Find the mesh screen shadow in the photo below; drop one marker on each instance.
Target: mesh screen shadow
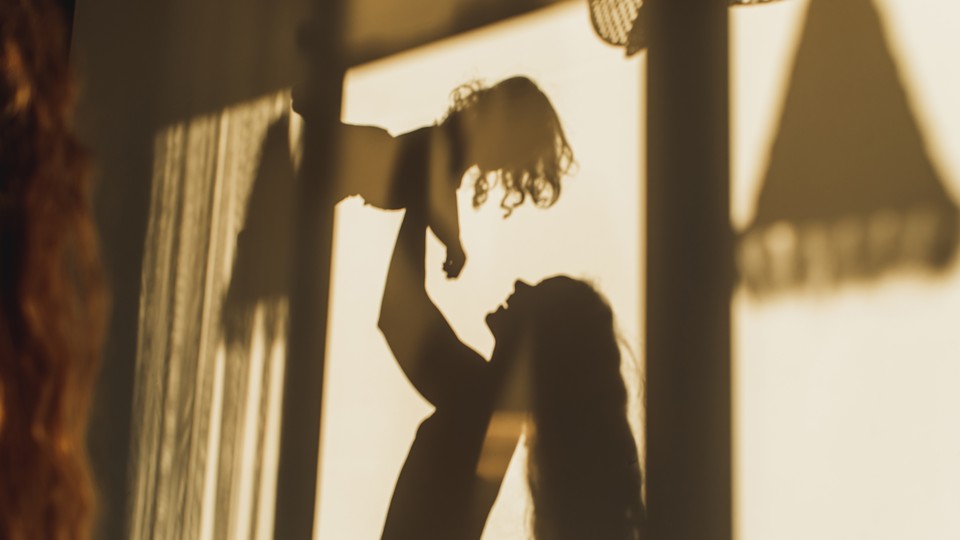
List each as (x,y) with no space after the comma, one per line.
(623,23)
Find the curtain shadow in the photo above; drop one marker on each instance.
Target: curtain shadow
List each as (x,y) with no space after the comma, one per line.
(261,267)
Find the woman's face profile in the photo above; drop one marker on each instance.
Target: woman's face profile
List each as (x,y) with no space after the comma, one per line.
(506,319)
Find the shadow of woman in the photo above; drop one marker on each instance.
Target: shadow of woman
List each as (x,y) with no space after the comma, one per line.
(555,369)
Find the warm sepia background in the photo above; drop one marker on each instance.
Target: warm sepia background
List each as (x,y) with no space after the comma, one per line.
(844,398)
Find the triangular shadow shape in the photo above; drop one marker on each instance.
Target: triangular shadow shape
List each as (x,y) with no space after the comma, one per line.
(850,191)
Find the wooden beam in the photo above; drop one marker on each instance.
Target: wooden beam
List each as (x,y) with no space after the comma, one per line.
(318,99)
(689,273)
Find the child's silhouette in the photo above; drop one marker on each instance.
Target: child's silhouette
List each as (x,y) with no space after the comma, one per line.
(508,133)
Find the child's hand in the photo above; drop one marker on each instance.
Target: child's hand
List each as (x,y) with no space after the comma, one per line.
(456,258)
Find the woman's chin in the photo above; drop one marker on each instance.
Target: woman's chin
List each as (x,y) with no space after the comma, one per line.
(494,319)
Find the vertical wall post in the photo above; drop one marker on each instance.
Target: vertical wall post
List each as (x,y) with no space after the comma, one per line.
(318,99)
(689,273)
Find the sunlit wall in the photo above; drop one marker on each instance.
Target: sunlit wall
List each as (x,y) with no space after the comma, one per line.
(844,396)
(210,361)
(370,411)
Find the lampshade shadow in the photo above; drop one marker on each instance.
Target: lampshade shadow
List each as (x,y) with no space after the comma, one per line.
(850,194)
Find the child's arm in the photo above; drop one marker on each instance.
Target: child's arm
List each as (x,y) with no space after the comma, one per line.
(444,216)
(445,223)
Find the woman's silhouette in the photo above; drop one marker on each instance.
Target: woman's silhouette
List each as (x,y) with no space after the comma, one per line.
(556,363)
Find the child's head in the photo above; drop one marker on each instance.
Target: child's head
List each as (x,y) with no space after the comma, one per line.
(511,132)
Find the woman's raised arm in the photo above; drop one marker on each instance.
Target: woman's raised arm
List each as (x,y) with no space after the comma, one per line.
(437,363)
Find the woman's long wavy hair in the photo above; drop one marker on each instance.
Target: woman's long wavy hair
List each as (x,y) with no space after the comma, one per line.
(50,284)
(533,164)
(583,467)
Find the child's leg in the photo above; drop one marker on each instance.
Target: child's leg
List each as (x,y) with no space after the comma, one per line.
(368,166)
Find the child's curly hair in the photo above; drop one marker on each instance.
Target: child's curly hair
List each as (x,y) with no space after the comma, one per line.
(535,163)
(51,298)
